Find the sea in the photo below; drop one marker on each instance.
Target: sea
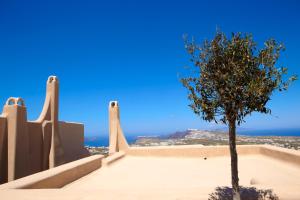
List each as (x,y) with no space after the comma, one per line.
(98,141)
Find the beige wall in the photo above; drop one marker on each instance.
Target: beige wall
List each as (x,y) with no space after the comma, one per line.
(35,146)
(17,140)
(59,176)
(287,155)
(191,150)
(72,139)
(28,147)
(3,150)
(117,140)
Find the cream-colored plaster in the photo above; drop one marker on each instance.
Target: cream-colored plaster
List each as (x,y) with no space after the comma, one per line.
(28,147)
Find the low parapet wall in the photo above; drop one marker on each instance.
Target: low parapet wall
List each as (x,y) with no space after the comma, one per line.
(287,155)
(59,176)
(191,150)
(113,158)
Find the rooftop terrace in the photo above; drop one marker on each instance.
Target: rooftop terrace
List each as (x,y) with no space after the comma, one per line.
(178,172)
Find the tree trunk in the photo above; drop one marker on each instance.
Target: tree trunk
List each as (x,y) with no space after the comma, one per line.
(234,161)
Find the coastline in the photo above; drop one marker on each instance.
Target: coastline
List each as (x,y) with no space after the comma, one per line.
(288,139)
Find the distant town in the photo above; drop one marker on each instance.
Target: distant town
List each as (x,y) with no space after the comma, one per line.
(206,138)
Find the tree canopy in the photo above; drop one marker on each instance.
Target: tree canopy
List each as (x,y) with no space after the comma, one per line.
(233,77)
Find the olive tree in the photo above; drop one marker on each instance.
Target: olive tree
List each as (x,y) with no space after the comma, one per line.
(232,78)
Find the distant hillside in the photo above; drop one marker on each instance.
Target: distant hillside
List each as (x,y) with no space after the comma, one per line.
(205,137)
(178,134)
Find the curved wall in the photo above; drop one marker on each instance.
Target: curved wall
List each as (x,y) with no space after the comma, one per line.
(28,147)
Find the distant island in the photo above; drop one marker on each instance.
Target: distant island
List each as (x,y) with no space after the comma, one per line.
(200,137)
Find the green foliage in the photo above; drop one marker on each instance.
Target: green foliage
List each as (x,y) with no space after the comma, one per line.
(233,78)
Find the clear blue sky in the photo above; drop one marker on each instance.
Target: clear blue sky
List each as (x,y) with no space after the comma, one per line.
(132,52)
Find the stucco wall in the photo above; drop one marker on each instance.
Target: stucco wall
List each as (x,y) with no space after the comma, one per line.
(287,155)
(35,146)
(28,147)
(3,150)
(191,150)
(57,177)
(72,138)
